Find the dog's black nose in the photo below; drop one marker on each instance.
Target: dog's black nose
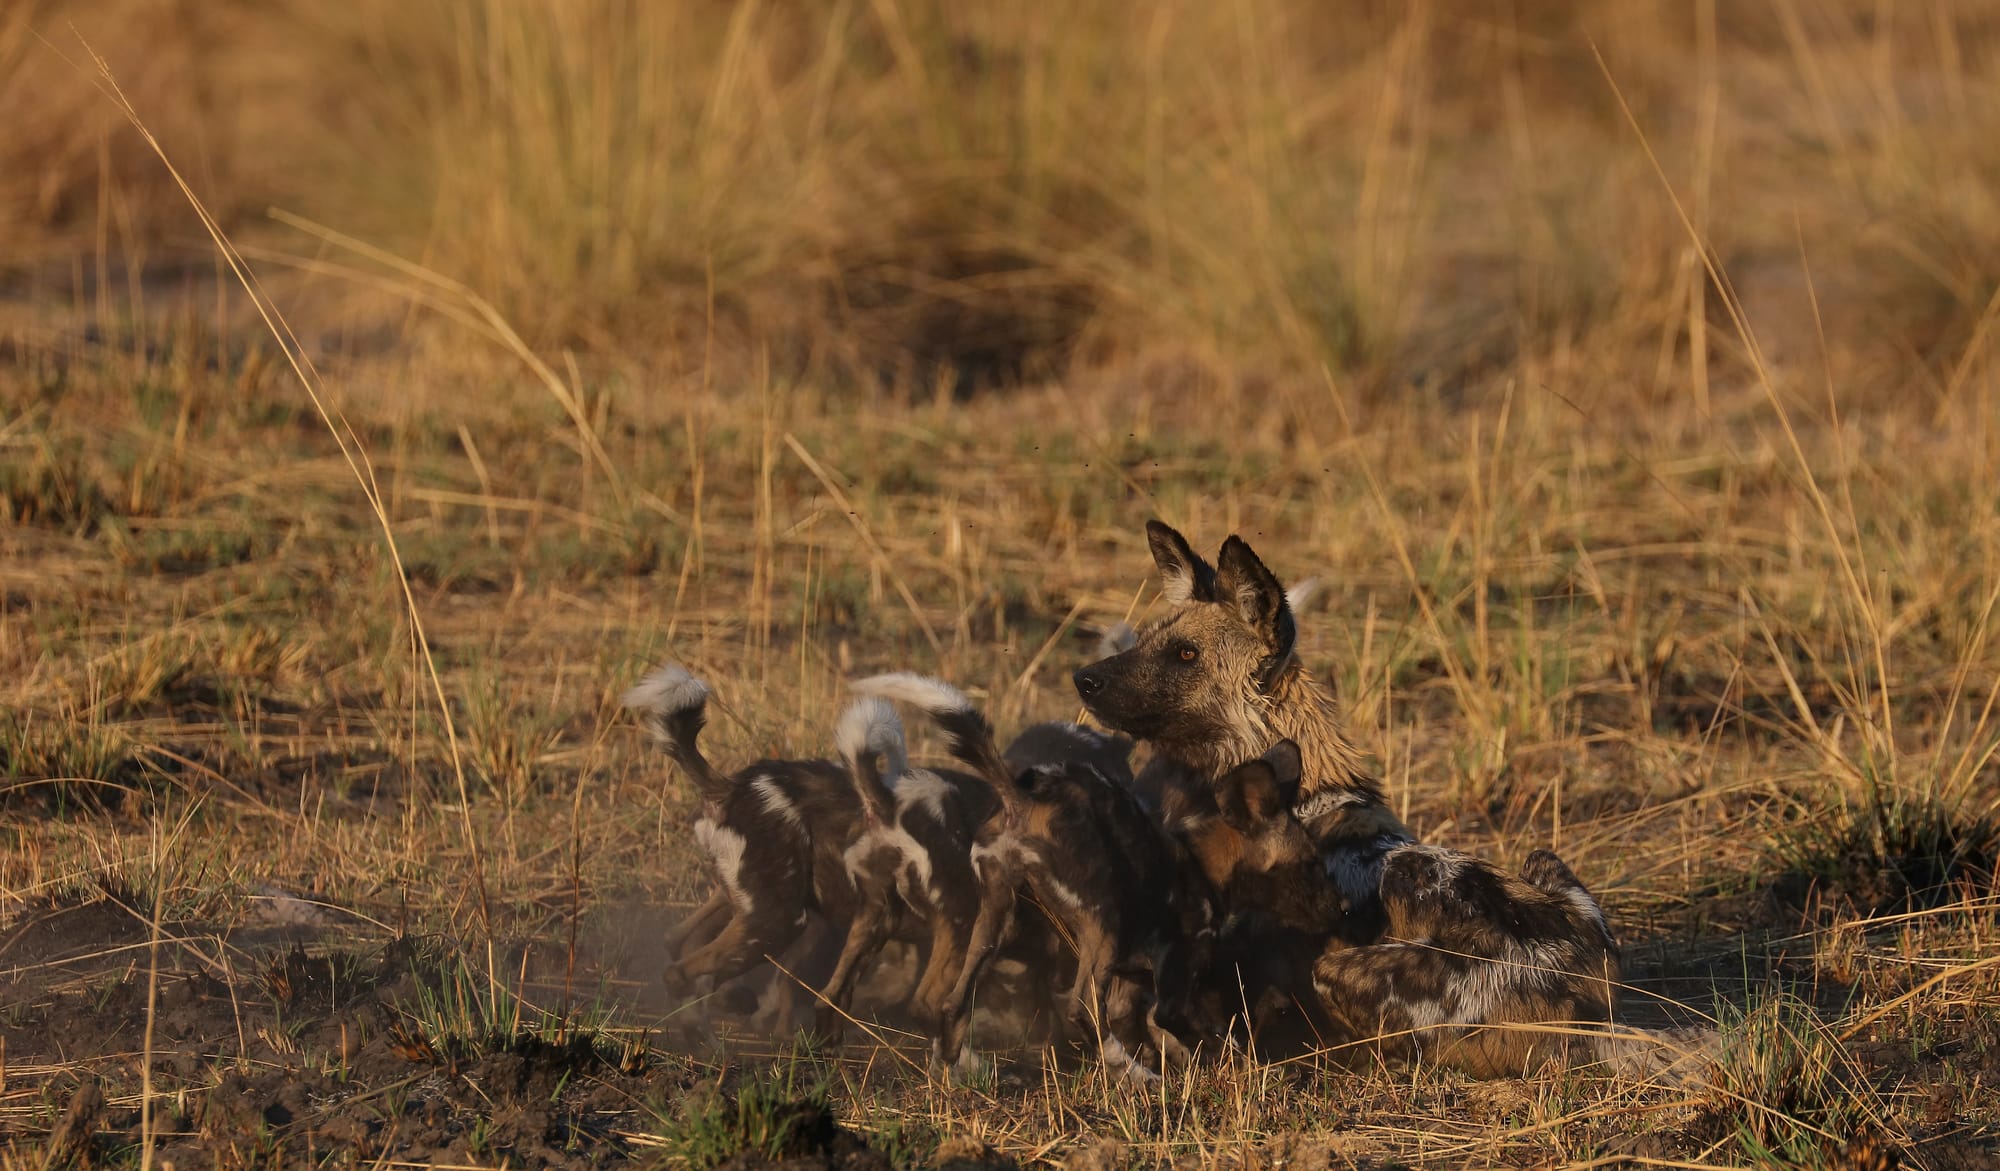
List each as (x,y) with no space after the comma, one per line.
(1088,682)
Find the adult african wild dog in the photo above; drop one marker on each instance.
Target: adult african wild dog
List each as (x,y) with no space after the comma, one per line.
(1476,957)
(1216,681)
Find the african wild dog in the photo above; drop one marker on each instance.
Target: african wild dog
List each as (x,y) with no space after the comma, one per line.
(1278,908)
(1130,901)
(1216,681)
(776,833)
(912,858)
(1475,961)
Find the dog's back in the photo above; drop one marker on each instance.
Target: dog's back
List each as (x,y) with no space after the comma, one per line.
(1483,971)
(1061,742)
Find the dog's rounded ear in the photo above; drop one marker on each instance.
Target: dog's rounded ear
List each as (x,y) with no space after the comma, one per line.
(1287,768)
(1248,795)
(1184,576)
(1259,599)
(1243,581)
(1544,869)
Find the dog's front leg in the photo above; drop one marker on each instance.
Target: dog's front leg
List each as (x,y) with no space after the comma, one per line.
(699,925)
(1094,946)
(741,945)
(996,907)
(865,934)
(950,943)
(1127,1031)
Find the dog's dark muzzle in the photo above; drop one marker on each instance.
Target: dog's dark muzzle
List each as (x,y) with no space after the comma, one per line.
(1111,697)
(1090,682)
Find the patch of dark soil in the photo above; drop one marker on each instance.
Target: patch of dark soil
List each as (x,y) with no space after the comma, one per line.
(299,1051)
(84,934)
(527,1101)
(815,1142)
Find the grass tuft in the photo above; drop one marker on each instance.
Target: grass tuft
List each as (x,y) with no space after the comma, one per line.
(1902,852)
(1786,1091)
(771,1112)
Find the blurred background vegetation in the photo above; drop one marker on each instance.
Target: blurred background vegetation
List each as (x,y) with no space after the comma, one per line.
(934,196)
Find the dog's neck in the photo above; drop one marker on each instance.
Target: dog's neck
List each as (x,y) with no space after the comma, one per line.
(1296,708)
(1304,712)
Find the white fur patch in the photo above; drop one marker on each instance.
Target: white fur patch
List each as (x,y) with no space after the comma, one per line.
(870,725)
(921,786)
(1067,896)
(776,802)
(1324,802)
(915,876)
(864,849)
(1119,1060)
(913,863)
(932,695)
(1581,900)
(724,847)
(1116,640)
(967,1065)
(1007,851)
(666,691)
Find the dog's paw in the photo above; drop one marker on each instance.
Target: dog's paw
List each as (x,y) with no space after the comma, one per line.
(828,1025)
(1125,1068)
(967,1068)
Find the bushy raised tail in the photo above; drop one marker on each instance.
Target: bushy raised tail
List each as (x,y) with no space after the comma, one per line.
(964,726)
(870,739)
(673,706)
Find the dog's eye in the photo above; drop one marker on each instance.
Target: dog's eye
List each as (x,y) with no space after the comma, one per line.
(1189,654)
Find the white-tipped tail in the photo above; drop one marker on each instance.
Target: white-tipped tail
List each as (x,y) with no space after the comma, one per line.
(666,692)
(871,727)
(934,696)
(674,705)
(964,726)
(1301,594)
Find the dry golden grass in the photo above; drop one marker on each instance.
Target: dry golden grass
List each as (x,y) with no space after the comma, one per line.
(1625,370)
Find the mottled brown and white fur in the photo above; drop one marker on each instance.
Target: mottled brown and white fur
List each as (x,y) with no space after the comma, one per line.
(775,835)
(1480,971)
(1080,845)
(911,864)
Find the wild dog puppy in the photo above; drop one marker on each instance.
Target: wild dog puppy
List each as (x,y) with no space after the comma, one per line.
(776,835)
(912,859)
(1474,960)
(1061,742)
(1139,915)
(1216,681)
(1278,908)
